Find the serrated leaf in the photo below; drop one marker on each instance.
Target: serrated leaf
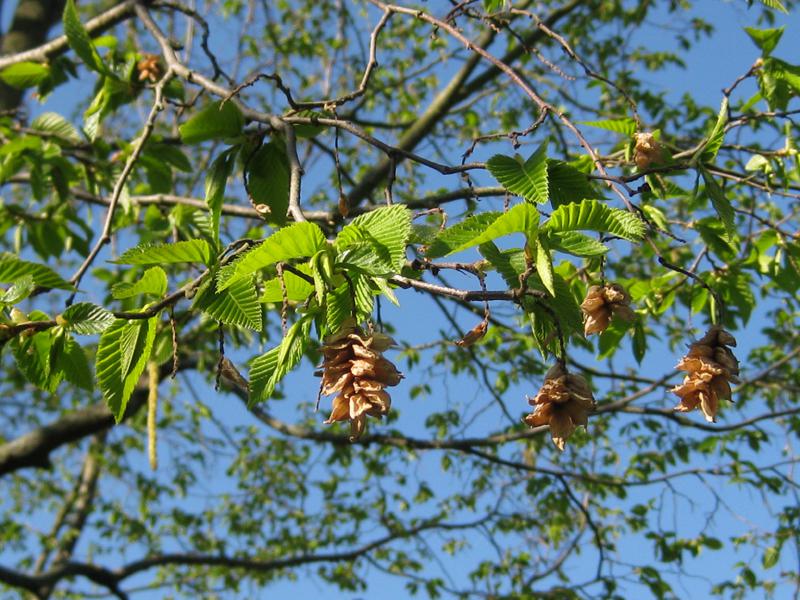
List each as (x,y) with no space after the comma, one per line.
(297,288)
(567,184)
(13,268)
(626,126)
(368,256)
(188,251)
(338,307)
(85,318)
(78,39)
(216,180)
(522,218)
(765,39)
(152,282)
(19,290)
(461,234)
(298,240)
(268,369)
(56,125)
(709,150)
(544,267)
(575,243)
(268,180)
(72,362)
(775,5)
(771,556)
(388,226)
(236,305)
(721,204)
(117,379)
(528,180)
(216,121)
(25,74)
(592,215)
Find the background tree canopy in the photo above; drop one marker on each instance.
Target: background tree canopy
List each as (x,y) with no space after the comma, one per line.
(214,213)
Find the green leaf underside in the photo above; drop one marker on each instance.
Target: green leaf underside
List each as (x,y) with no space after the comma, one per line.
(188,251)
(717,135)
(298,240)
(720,203)
(389,226)
(216,180)
(236,305)
(544,267)
(765,39)
(522,218)
(339,303)
(55,124)
(121,357)
(79,39)
(593,215)
(576,243)
(460,234)
(33,360)
(13,268)
(216,121)
(528,180)
(369,256)
(72,361)
(567,184)
(86,318)
(269,368)
(18,291)
(25,74)
(626,126)
(268,180)
(152,282)
(297,288)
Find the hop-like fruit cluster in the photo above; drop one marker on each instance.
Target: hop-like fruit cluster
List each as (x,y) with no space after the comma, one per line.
(149,68)
(564,402)
(647,151)
(354,369)
(603,302)
(711,367)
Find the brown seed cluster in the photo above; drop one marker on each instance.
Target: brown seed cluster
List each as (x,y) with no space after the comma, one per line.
(149,68)
(602,303)
(711,367)
(647,150)
(355,370)
(564,402)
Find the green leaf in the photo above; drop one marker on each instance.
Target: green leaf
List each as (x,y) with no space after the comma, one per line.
(765,39)
(626,126)
(85,318)
(297,288)
(778,82)
(152,282)
(567,184)
(236,305)
(268,180)
(188,251)
(522,218)
(388,226)
(33,360)
(575,243)
(461,234)
(216,121)
(775,5)
(25,74)
(528,179)
(544,267)
(268,369)
(298,240)
(56,125)
(19,290)
(13,268)
(708,151)
(593,215)
(721,204)
(78,39)
(368,256)
(117,377)
(771,556)
(216,180)
(72,362)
